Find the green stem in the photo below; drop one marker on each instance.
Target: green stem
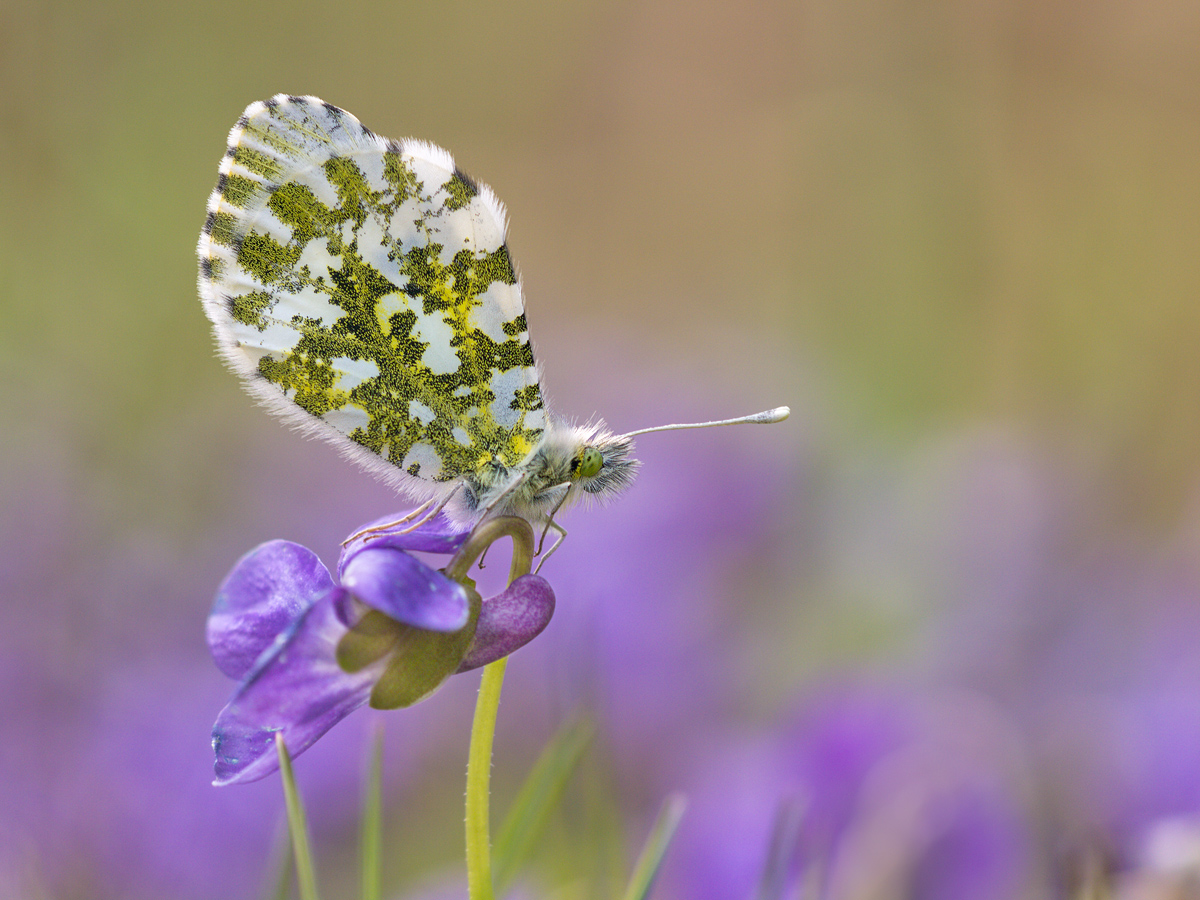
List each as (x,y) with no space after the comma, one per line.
(479,776)
(483,536)
(483,727)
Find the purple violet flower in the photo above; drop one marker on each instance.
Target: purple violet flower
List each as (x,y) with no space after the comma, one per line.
(893,794)
(309,650)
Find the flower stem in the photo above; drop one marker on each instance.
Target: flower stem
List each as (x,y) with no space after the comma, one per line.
(483,727)
(484,535)
(479,776)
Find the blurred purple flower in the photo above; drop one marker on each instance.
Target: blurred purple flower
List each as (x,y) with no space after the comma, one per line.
(309,650)
(895,796)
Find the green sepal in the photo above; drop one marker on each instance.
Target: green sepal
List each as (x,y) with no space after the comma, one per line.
(370,640)
(421,660)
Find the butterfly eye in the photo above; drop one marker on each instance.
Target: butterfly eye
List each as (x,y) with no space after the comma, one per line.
(588,463)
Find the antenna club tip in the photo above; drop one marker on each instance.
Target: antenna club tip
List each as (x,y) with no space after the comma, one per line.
(778,414)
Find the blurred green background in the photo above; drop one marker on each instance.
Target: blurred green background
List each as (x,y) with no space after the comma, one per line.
(920,225)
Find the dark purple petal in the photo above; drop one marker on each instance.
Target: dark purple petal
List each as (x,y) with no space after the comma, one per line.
(978,847)
(510,620)
(438,535)
(407,590)
(297,689)
(267,590)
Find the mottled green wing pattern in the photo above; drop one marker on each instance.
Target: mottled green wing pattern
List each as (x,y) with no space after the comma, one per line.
(363,289)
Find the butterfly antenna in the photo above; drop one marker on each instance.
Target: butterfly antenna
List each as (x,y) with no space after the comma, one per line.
(766,417)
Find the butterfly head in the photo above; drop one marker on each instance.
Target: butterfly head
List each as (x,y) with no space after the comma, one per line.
(592,462)
(572,462)
(602,464)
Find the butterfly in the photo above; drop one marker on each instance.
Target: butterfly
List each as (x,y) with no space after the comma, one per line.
(363,290)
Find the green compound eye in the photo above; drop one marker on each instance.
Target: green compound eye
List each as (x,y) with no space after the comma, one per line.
(588,463)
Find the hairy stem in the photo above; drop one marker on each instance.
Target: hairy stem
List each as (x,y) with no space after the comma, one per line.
(483,727)
(479,776)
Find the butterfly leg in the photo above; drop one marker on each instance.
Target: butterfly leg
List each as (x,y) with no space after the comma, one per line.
(422,513)
(496,501)
(388,526)
(550,521)
(432,512)
(562,534)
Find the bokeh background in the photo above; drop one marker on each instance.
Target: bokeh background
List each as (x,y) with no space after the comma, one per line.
(941,628)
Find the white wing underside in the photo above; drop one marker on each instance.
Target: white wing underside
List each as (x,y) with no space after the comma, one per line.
(289,141)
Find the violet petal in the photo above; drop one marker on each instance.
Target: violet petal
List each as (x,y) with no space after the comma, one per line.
(407,590)
(510,620)
(266,591)
(296,689)
(438,535)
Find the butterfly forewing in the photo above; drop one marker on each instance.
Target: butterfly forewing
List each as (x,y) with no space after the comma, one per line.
(363,289)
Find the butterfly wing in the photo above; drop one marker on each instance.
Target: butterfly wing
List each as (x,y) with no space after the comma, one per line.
(363,290)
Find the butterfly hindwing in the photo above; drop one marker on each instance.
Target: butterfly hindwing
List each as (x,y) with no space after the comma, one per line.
(363,289)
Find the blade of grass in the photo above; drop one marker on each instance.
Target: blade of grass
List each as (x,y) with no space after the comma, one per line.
(281,866)
(539,795)
(371,832)
(655,849)
(306,878)
(784,839)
